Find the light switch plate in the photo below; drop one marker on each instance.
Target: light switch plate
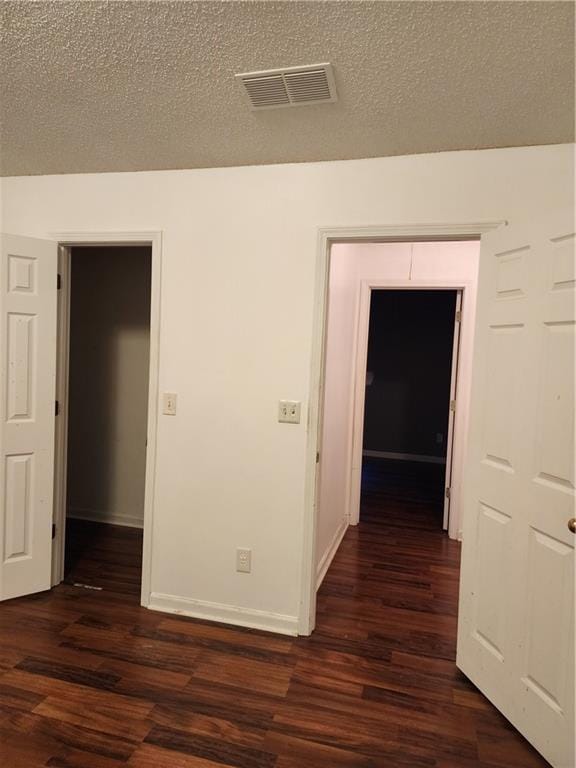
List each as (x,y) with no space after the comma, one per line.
(169,404)
(289,411)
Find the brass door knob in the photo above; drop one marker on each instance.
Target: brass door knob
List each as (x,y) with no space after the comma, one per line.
(572,524)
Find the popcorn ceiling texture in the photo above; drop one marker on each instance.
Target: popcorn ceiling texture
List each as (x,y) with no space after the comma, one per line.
(125,86)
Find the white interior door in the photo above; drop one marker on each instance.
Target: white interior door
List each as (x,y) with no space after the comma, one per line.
(452,409)
(516,623)
(28,274)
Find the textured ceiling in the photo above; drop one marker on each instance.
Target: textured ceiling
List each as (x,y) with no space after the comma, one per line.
(114,86)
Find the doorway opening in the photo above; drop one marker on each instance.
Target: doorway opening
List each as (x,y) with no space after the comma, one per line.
(103,386)
(414,286)
(409,407)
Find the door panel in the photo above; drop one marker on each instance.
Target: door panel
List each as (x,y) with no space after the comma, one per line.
(28,340)
(17,525)
(516,624)
(490,609)
(555,437)
(544,672)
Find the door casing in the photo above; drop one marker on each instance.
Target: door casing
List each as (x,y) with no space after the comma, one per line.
(66,241)
(326,238)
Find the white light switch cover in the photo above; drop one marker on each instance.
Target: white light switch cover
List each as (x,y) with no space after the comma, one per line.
(289,411)
(169,404)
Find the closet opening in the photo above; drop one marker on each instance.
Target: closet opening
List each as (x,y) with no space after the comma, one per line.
(103,383)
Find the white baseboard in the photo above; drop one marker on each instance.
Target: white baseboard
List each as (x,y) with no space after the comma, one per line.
(96,516)
(405,456)
(226,614)
(328,556)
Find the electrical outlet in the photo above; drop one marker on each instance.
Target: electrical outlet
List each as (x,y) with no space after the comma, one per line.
(289,411)
(169,404)
(439,438)
(243,560)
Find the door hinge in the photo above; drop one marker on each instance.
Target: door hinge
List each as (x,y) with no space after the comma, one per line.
(317,457)
(459,316)
(447,493)
(452,405)
(57,408)
(53,530)
(58,281)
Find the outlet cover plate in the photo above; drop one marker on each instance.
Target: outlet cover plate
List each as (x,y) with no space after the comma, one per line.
(244,560)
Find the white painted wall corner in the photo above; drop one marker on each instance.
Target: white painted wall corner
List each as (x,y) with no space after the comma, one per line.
(328,556)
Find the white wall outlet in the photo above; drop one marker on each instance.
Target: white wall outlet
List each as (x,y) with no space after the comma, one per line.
(244,560)
(289,411)
(169,404)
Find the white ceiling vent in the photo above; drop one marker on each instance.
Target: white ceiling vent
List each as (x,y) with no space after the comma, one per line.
(289,87)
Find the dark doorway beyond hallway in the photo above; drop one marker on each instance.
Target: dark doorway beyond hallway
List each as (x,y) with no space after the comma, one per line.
(409,368)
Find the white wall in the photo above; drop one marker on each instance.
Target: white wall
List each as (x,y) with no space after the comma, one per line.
(238,292)
(108,394)
(350,265)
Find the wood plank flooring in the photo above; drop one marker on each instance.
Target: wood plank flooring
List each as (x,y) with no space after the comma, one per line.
(88,679)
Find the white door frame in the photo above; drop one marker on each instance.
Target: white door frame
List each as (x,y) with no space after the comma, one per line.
(360,357)
(66,241)
(456,371)
(326,238)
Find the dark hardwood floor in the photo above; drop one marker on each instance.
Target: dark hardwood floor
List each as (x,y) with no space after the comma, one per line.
(107,557)
(88,679)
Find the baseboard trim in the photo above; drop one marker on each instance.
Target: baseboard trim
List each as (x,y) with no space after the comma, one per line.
(225,614)
(328,556)
(405,456)
(95,516)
